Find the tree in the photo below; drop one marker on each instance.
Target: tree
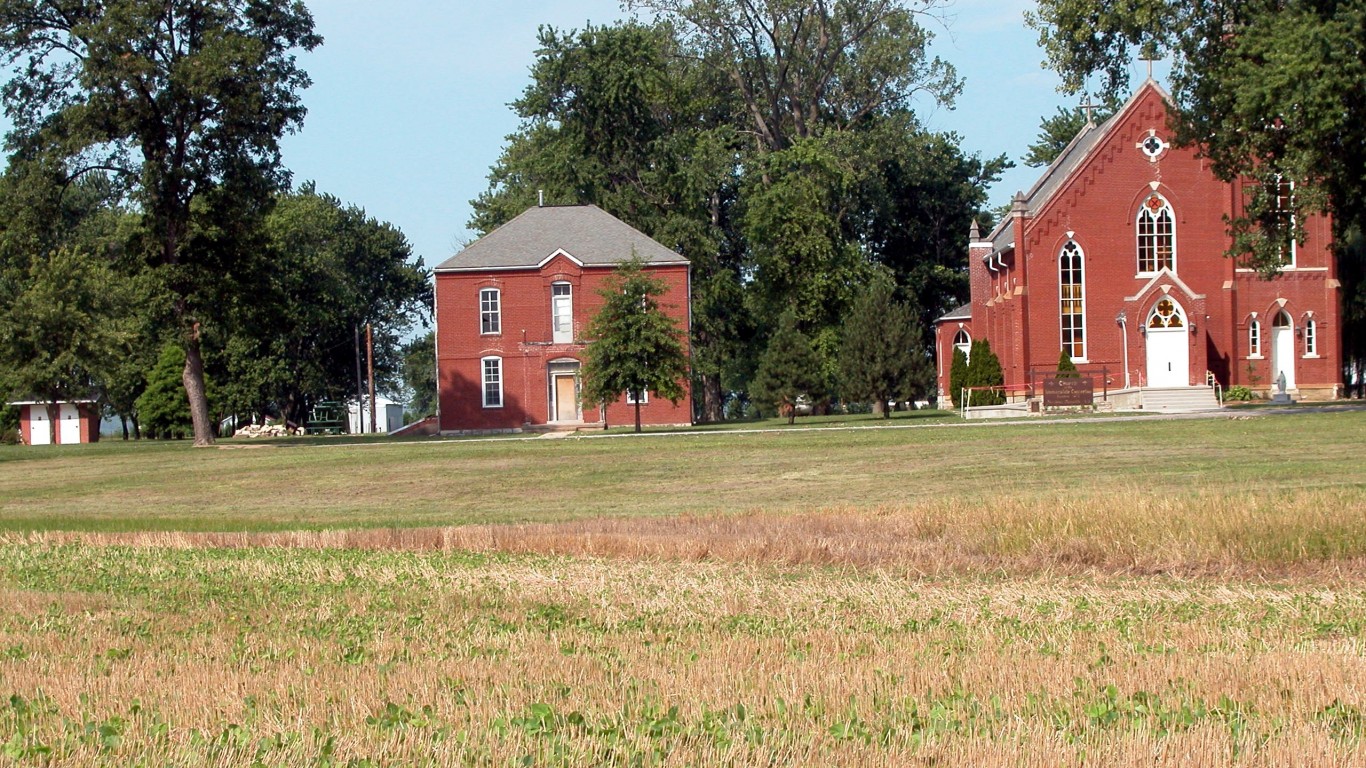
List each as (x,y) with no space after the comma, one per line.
(882,357)
(1269,91)
(803,68)
(163,406)
(958,375)
(1066,368)
(419,375)
(60,330)
(186,102)
(330,268)
(788,370)
(984,370)
(635,347)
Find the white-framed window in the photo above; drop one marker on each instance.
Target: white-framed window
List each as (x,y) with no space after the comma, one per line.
(962,341)
(1311,344)
(562,312)
(1156,227)
(493,381)
(1283,206)
(631,397)
(1254,338)
(490,311)
(1072,301)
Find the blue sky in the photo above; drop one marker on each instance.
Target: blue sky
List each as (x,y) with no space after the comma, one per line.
(409,103)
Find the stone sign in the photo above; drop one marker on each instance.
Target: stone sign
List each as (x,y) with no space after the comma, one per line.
(1061,391)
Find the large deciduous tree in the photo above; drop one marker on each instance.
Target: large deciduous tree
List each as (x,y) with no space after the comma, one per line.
(634,347)
(186,100)
(1268,89)
(803,68)
(329,269)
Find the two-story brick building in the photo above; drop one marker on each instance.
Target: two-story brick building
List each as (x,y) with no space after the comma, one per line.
(1117,255)
(511,311)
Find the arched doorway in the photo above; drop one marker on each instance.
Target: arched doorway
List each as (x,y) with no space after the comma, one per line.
(1167,348)
(1282,350)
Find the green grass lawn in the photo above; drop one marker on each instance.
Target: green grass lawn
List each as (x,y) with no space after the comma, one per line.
(334,483)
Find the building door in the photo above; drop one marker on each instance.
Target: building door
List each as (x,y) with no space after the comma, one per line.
(1167,346)
(39,428)
(69,433)
(1282,351)
(566,400)
(564,390)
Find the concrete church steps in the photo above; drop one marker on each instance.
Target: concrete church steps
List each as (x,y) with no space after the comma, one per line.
(1179,399)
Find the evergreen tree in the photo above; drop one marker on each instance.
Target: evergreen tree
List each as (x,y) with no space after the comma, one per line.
(163,408)
(958,375)
(635,346)
(788,369)
(984,370)
(882,357)
(1066,368)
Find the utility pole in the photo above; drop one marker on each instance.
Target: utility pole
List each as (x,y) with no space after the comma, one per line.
(370,367)
(360,388)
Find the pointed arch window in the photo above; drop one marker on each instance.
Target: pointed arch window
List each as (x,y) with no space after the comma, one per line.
(1156,235)
(1254,338)
(1072,300)
(963,342)
(1311,344)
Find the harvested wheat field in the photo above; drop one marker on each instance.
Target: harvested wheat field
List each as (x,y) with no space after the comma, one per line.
(1039,621)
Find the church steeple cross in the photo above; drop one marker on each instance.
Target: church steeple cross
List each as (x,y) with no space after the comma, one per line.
(1090,109)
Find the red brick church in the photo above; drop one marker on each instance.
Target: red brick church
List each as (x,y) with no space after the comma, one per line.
(1116,255)
(511,312)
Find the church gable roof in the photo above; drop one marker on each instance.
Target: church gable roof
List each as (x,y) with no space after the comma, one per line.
(586,234)
(1082,147)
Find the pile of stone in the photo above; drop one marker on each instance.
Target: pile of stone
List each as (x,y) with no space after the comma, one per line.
(266,430)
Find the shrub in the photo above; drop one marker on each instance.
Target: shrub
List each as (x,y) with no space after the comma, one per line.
(1239,392)
(1066,368)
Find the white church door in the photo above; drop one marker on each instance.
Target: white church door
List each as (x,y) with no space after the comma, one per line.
(69,432)
(40,429)
(1282,351)
(1168,352)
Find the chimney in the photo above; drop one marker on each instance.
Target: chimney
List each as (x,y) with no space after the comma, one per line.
(540,198)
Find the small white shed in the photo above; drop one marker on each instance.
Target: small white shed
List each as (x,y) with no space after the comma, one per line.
(388,416)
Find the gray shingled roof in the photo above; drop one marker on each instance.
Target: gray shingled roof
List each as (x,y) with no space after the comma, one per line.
(962,313)
(586,232)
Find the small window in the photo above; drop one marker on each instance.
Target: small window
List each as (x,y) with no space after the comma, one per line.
(1254,338)
(1311,346)
(631,397)
(493,382)
(490,311)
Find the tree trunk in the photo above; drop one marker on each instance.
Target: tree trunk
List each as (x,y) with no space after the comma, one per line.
(193,378)
(637,411)
(123,422)
(54,416)
(880,408)
(713,401)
